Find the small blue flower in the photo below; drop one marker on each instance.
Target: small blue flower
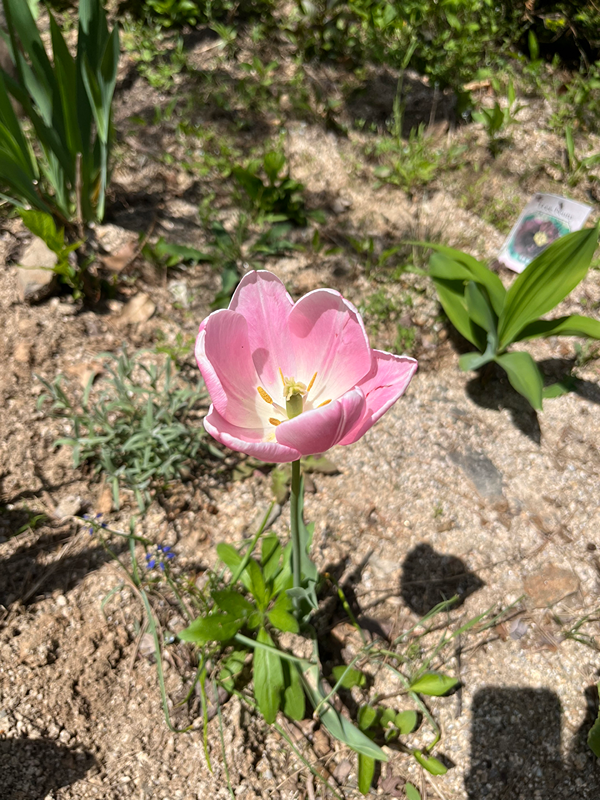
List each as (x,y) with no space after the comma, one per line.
(91,531)
(98,515)
(162,566)
(152,563)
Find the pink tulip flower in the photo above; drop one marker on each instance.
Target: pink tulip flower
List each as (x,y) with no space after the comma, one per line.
(288,379)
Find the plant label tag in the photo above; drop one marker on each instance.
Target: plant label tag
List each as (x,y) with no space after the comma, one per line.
(545,218)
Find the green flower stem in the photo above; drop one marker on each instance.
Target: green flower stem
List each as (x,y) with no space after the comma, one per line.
(295,526)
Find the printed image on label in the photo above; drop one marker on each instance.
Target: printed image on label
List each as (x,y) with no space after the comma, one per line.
(543,220)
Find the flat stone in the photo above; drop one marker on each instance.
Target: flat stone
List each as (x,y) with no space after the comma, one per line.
(35,279)
(550,585)
(69,506)
(139,309)
(113,238)
(480,471)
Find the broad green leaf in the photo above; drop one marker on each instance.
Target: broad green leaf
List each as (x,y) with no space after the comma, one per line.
(412,793)
(479,308)
(216,627)
(430,763)
(524,376)
(229,556)
(406,721)
(560,388)
(366,771)
(457,265)
(257,584)
(280,617)
(593,738)
(366,717)
(549,278)
(270,556)
(575,325)
(294,704)
(350,677)
(273,164)
(268,678)
(321,465)
(471,361)
(451,297)
(434,684)
(43,226)
(233,603)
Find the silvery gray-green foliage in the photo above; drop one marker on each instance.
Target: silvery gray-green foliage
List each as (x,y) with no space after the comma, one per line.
(141,432)
(493,318)
(60,163)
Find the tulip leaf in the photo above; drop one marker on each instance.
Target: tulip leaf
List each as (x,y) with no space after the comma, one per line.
(431,764)
(451,264)
(524,376)
(268,678)
(434,684)
(472,361)
(574,325)
(479,308)
(366,772)
(451,297)
(216,627)
(547,280)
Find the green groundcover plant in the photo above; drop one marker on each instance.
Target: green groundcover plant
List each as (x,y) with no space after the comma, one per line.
(493,318)
(58,159)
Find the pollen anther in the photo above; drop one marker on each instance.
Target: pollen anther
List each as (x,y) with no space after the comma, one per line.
(267,398)
(274,421)
(324,403)
(311,384)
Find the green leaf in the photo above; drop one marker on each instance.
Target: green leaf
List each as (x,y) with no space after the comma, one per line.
(549,278)
(593,738)
(281,618)
(574,325)
(270,557)
(412,793)
(456,265)
(273,164)
(337,725)
(479,308)
(233,603)
(43,226)
(280,484)
(229,556)
(451,296)
(216,627)
(257,585)
(524,376)
(406,721)
(350,677)
(366,717)
(560,388)
(433,684)
(472,361)
(366,772)
(294,704)
(430,763)
(231,667)
(268,678)
(321,465)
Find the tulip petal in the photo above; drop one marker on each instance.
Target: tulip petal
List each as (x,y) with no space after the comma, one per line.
(387,381)
(262,299)
(316,431)
(247,440)
(223,355)
(329,338)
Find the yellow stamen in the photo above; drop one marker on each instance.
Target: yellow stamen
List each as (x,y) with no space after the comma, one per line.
(264,395)
(282,378)
(274,421)
(311,384)
(324,403)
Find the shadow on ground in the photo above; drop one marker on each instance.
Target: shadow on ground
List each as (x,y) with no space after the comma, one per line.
(516,750)
(31,769)
(428,578)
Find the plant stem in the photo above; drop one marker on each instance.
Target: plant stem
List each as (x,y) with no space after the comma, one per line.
(295,525)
